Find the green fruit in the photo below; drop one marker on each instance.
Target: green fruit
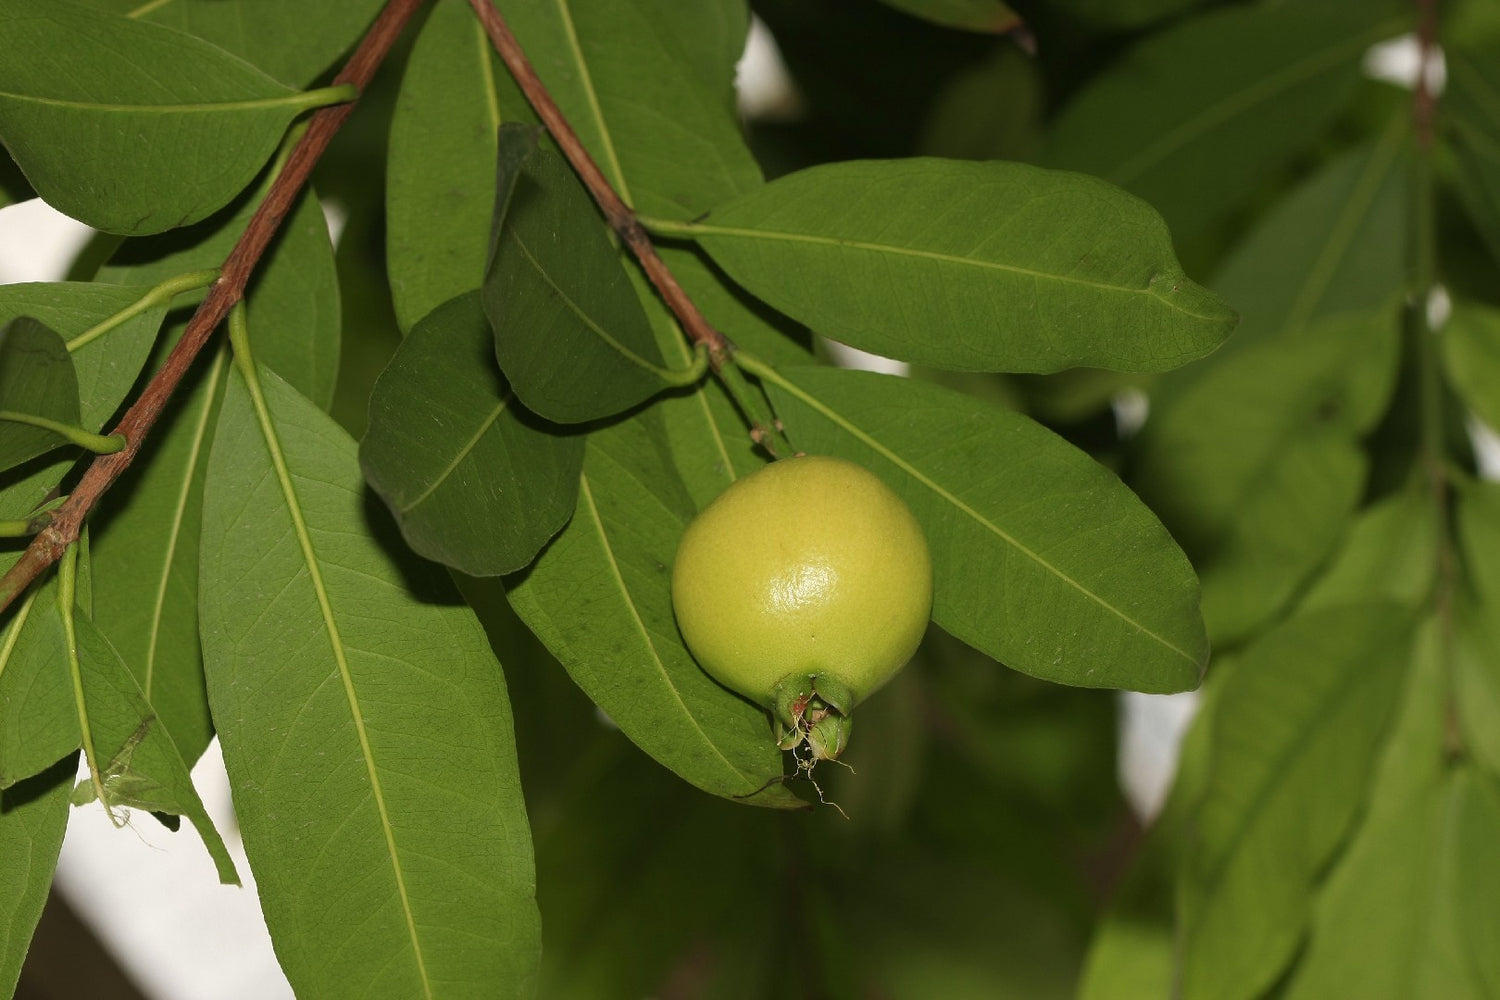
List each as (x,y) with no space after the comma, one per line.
(804,587)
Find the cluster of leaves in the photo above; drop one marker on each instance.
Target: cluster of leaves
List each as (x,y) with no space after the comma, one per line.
(337,611)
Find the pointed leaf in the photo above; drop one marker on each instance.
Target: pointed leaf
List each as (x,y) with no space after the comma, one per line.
(36,380)
(149,129)
(33,815)
(107,338)
(1389,552)
(140,764)
(973,266)
(1294,739)
(364,722)
(600,598)
(441,167)
(1194,116)
(1041,557)
(473,480)
(145,559)
(570,333)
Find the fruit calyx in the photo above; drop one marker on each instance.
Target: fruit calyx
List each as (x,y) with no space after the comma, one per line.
(813,710)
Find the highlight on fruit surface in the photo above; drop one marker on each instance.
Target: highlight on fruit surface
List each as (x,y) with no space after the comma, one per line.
(804,587)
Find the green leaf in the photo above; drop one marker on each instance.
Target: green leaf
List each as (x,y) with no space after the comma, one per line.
(148,129)
(288,39)
(1041,557)
(1194,116)
(1392,922)
(1295,733)
(1335,244)
(1477,862)
(38,721)
(1120,14)
(971,266)
(1262,515)
(107,337)
(1476,641)
(36,381)
(570,333)
(144,768)
(294,309)
(364,722)
(647,84)
(1471,356)
(610,571)
(473,480)
(1471,109)
(441,165)
(33,815)
(1389,552)
(970,15)
(145,558)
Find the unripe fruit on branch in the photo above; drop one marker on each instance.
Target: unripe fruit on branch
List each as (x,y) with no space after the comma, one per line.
(804,587)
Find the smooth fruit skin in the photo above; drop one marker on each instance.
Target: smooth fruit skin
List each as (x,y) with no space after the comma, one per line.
(811,566)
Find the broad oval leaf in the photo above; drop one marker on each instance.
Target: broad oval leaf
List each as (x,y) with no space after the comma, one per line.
(570,334)
(37,380)
(38,723)
(972,266)
(108,332)
(33,816)
(1041,557)
(150,128)
(1295,732)
(364,722)
(600,598)
(1471,354)
(474,480)
(1194,116)
(441,165)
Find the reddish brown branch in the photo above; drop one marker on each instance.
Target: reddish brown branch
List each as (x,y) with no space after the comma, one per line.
(48,546)
(619,215)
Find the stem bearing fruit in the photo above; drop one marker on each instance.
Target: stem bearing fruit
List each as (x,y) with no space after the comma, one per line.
(804,587)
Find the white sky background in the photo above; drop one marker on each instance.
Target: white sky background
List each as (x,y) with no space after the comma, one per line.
(154,898)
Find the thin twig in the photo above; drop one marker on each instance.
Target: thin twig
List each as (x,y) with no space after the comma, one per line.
(49,545)
(620,216)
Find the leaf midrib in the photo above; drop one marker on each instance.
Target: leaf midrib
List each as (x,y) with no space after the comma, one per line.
(586,494)
(781,236)
(325,607)
(292,98)
(984,522)
(469,446)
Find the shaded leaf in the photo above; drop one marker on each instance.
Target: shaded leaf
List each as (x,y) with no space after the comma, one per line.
(1191,118)
(1123,13)
(1262,515)
(441,165)
(1388,552)
(570,333)
(473,480)
(145,557)
(1390,923)
(333,655)
(36,380)
(1041,557)
(107,358)
(150,129)
(33,815)
(293,303)
(38,719)
(1294,739)
(600,598)
(972,266)
(971,15)
(1476,642)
